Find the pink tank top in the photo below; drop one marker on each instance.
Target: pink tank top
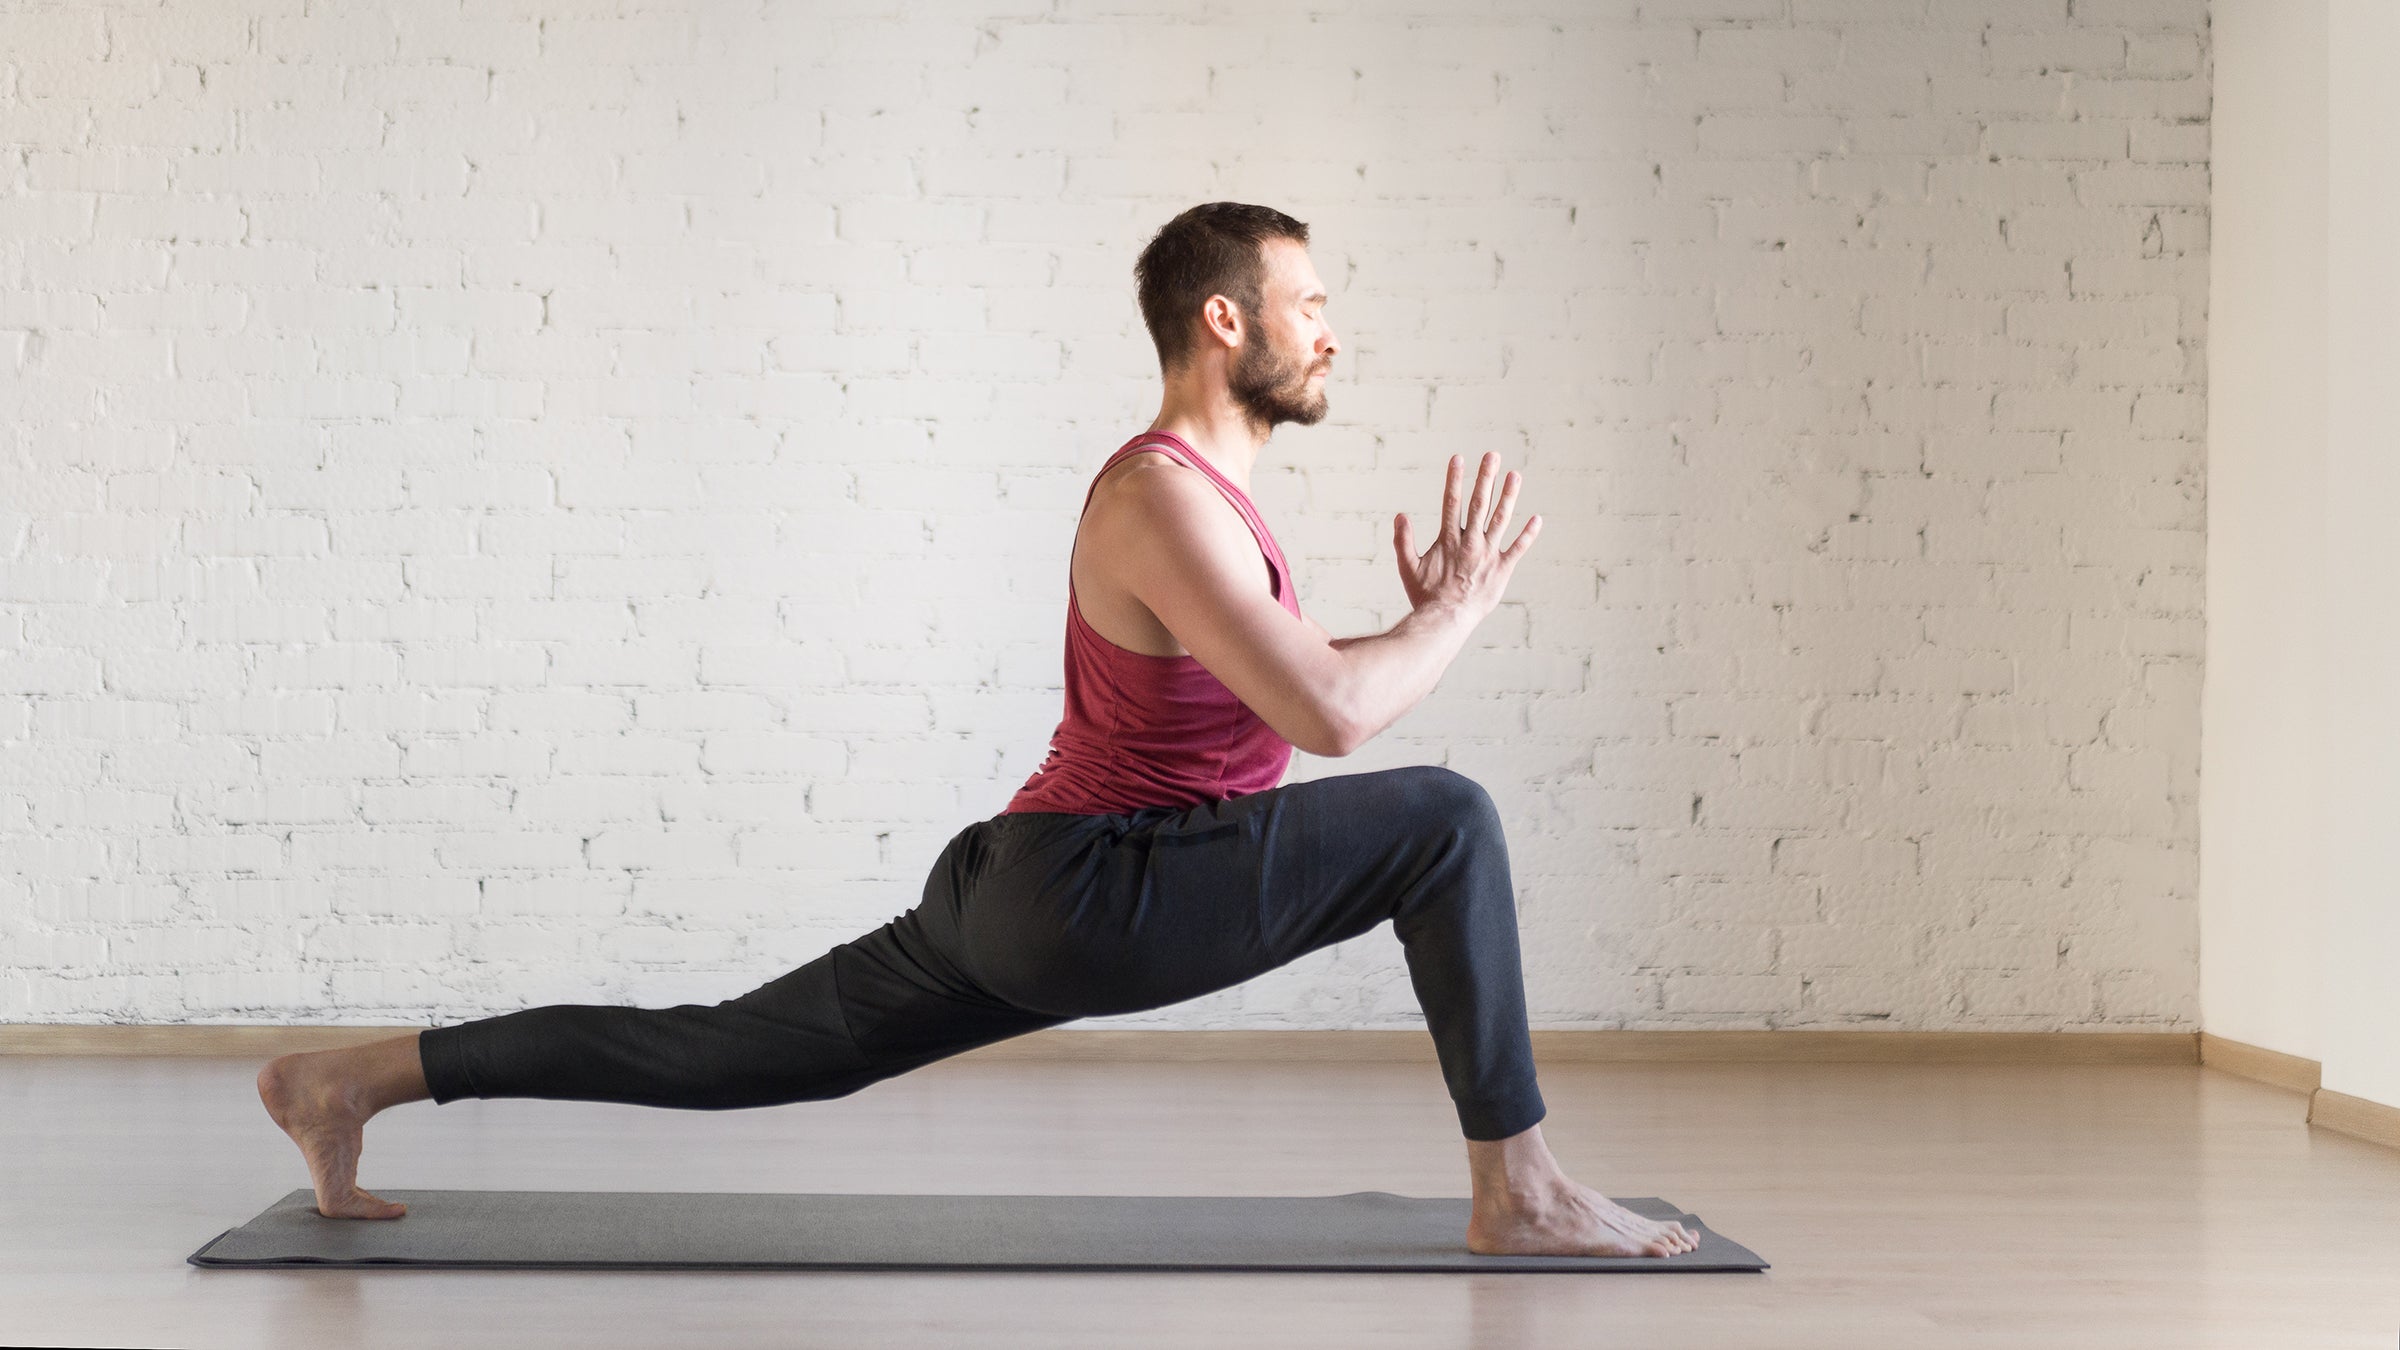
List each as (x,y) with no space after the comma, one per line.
(1144,730)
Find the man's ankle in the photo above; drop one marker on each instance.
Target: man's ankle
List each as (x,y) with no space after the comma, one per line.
(1521,1197)
(1517,1178)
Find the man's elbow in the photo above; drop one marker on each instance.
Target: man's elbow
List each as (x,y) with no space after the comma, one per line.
(1336,737)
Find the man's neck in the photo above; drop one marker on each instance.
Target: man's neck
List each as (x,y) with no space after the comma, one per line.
(1222,437)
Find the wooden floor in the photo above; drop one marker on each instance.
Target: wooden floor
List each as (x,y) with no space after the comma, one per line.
(1983,1206)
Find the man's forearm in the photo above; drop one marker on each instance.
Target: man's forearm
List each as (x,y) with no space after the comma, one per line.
(1391,672)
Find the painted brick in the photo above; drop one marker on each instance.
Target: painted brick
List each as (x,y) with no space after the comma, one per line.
(499,474)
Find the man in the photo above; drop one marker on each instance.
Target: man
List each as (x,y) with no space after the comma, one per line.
(1152,858)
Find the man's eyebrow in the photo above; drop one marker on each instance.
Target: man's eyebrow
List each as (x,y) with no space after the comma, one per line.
(1312,295)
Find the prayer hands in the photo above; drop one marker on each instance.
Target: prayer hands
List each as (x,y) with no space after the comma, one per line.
(1466,568)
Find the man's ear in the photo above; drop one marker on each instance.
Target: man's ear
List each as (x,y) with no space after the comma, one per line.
(1222,318)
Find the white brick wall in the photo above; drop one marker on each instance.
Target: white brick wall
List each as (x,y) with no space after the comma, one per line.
(571,501)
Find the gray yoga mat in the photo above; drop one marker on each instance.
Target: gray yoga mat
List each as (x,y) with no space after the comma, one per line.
(655,1230)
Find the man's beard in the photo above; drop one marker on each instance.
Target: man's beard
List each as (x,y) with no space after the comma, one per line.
(1271,392)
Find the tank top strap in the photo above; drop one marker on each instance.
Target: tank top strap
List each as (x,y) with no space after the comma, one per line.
(1170,446)
(1177,449)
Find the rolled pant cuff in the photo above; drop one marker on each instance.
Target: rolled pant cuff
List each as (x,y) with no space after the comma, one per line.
(444,1062)
(1503,1118)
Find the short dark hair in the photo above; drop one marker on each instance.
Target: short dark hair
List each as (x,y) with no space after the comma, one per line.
(1215,249)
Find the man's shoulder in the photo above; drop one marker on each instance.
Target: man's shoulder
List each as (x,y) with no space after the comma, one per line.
(1143,467)
(1150,490)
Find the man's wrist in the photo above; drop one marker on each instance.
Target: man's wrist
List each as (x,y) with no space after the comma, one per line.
(1443,614)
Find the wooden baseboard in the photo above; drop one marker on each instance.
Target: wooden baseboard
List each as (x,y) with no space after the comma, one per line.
(23,1038)
(1575,1046)
(2336,1111)
(2272,1067)
(2355,1116)
(1602,1046)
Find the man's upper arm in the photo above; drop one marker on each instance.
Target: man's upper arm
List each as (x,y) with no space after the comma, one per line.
(1194,563)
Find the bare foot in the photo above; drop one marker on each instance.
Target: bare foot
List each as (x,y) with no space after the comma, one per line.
(308,1100)
(1572,1219)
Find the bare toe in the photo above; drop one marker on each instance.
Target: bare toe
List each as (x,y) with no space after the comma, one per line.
(364,1205)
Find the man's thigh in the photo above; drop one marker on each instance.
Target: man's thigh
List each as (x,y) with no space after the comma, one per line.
(1118,914)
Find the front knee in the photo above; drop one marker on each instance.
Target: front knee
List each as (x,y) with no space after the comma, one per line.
(1445,799)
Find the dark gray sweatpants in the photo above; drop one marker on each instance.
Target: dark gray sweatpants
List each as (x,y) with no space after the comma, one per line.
(1033,919)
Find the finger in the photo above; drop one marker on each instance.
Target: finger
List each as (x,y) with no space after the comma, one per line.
(1450,494)
(1482,500)
(1508,503)
(1525,537)
(1404,539)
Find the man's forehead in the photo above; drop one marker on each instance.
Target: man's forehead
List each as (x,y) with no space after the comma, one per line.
(1293,273)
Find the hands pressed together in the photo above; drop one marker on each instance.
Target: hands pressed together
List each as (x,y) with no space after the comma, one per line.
(1466,568)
